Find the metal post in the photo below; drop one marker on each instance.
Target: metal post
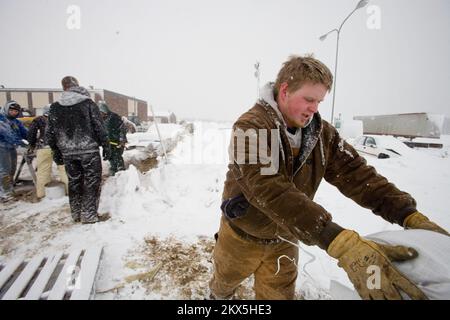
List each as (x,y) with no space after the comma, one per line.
(159,134)
(335,78)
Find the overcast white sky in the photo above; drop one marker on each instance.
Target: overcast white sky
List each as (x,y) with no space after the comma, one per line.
(196,57)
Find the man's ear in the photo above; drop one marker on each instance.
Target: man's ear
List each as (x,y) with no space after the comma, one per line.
(282,93)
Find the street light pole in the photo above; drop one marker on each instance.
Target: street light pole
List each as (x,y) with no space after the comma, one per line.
(361,4)
(335,75)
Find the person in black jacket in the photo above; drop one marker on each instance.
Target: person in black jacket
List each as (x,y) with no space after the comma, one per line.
(38,144)
(75,132)
(117,137)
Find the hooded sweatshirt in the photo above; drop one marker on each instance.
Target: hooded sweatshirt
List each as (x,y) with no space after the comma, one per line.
(75,125)
(12,131)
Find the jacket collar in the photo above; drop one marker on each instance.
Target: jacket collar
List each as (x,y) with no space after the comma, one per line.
(268,97)
(310,133)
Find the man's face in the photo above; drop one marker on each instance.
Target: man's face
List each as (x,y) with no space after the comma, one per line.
(13,113)
(299,107)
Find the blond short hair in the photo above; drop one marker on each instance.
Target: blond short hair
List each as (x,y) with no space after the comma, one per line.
(299,70)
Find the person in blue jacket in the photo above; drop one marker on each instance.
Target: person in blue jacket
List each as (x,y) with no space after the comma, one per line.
(12,133)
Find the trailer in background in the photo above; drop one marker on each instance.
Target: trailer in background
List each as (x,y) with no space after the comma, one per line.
(408,125)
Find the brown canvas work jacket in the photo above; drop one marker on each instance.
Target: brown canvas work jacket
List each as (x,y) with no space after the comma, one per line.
(266,206)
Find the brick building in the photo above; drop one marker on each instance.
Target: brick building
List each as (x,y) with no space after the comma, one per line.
(35,99)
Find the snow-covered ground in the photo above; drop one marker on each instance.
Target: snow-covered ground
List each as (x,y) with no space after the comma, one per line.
(167,217)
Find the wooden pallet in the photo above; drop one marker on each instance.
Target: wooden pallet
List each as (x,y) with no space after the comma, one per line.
(57,276)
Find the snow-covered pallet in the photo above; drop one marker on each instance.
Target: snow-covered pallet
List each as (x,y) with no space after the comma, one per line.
(57,276)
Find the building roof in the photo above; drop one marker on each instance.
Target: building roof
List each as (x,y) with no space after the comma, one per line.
(90,90)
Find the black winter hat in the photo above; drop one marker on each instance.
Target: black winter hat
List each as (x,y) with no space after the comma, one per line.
(13,105)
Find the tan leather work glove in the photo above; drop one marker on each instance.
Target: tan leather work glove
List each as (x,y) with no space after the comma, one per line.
(419,221)
(359,257)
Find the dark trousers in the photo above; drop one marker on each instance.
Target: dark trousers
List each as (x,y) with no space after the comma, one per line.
(8,164)
(116,162)
(85,174)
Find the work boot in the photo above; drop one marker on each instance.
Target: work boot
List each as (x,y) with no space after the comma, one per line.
(76,217)
(7,198)
(99,218)
(7,195)
(104,217)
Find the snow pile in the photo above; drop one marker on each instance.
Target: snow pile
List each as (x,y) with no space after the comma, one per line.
(443,152)
(122,193)
(168,197)
(437,121)
(389,142)
(146,145)
(445,139)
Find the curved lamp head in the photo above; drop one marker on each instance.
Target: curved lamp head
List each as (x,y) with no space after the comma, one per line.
(326,34)
(361,4)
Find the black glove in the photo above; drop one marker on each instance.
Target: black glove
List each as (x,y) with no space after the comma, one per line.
(235,207)
(106,153)
(58,158)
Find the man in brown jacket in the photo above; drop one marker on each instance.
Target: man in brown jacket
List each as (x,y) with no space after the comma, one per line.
(280,150)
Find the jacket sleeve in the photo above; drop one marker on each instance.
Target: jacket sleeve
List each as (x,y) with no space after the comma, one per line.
(7,133)
(32,133)
(50,136)
(98,126)
(22,130)
(275,195)
(50,132)
(351,174)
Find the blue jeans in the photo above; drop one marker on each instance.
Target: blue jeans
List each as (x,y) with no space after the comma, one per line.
(8,165)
